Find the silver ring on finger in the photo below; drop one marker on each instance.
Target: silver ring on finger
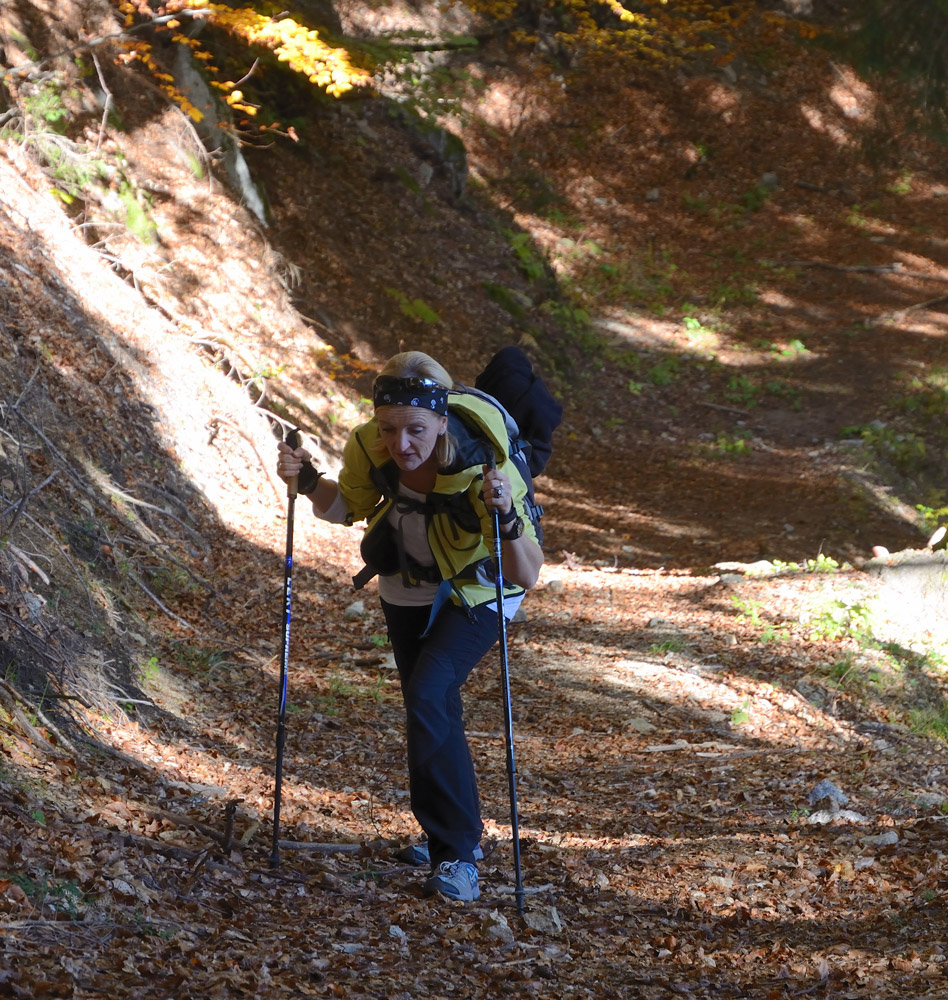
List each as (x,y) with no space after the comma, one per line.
(498,491)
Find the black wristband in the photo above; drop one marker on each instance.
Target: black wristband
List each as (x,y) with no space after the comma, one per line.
(307,479)
(509,516)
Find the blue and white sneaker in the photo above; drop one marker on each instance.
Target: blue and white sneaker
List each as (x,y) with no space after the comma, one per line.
(417,854)
(454,880)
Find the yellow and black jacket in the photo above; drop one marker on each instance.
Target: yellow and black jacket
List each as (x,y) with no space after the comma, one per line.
(459,525)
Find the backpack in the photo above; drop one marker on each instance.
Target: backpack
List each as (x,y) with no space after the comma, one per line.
(530,413)
(510,380)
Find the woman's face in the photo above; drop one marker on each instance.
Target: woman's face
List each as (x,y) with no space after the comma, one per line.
(409,434)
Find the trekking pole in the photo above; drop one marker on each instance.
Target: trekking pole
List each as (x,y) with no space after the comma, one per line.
(293,440)
(508,714)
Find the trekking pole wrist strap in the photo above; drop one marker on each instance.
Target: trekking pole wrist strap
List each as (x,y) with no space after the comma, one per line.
(509,516)
(308,478)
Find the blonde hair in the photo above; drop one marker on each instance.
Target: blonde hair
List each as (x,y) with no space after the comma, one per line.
(417,364)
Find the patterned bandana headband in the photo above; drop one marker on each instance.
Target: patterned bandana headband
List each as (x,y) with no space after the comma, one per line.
(390,390)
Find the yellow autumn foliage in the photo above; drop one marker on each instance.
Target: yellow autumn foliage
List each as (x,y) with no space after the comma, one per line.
(301,48)
(656,31)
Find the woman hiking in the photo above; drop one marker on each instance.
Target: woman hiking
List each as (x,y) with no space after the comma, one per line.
(421,472)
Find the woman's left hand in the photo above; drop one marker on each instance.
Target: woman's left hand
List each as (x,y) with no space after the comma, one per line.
(497,494)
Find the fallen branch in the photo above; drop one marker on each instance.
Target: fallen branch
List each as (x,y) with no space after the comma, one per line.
(9,698)
(197,857)
(223,837)
(531,890)
(174,562)
(454,44)
(369,847)
(158,603)
(108,487)
(109,99)
(170,850)
(28,386)
(26,561)
(902,313)
(22,501)
(726,409)
(894,268)
(65,555)
(110,751)
(253,447)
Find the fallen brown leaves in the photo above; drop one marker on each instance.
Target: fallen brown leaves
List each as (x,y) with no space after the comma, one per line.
(669,724)
(666,849)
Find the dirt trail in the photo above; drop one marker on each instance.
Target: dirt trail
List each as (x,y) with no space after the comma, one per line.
(673,713)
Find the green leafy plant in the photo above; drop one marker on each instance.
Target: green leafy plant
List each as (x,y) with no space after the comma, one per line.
(727,296)
(45,104)
(755,199)
(576,323)
(932,722)
(773,633)
(842,619)
(794,349)
(138,218)
(742,390)
(203,661)
(665,372)
(868,673)
(432,89)
(59,896)
(858,219)
(673,644)
(341,687)
(700,204)
(510,299)
(149,670)
(416,309)
(592,274)
(528,257)
(748,608)
(903,450)
(367,874)
(784,390)
(737,443)
(741,716)
(822,564)
(695,329)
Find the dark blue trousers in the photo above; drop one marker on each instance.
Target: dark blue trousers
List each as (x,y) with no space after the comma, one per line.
(432,669)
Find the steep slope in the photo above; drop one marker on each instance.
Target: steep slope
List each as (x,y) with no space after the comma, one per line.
(672,724)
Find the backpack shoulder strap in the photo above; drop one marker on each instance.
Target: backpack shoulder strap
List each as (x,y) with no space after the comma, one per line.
(518,450)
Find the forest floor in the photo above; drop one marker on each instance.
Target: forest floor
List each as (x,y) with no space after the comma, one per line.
(710,638)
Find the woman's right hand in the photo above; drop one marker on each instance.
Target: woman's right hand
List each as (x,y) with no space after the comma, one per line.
(289,462)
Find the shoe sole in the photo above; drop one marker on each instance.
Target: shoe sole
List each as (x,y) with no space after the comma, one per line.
(435,886)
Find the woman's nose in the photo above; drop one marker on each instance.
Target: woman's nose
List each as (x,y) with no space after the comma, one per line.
(401,441)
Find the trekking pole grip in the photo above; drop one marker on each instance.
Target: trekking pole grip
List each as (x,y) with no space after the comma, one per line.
(293,440)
